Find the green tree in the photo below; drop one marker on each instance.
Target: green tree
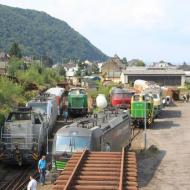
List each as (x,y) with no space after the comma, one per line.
(61,70)
(124,60)
(140,64)
(15,51)
(78,73)
(14,65)
(47,61)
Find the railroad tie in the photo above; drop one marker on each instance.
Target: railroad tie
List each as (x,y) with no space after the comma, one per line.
(99,170)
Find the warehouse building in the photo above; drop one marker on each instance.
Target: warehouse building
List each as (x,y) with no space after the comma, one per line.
(161,76)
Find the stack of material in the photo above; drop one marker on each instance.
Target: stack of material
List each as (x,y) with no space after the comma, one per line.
(99,170)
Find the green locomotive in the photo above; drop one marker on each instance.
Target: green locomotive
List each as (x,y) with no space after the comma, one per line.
(77,101)
(142,107)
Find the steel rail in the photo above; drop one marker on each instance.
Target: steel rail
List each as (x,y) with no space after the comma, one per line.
(122,169)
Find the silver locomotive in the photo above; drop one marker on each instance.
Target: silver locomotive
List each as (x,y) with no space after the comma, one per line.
(108,131)
(23,136)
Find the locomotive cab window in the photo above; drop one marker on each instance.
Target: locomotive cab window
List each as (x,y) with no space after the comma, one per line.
(19,116)
(36,119)
(70,143)
(136,98)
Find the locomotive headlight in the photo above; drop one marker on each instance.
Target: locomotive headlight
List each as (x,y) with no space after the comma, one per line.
(74,133)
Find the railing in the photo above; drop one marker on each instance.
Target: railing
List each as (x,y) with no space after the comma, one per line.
(69,182)
(27,141)
(122,169)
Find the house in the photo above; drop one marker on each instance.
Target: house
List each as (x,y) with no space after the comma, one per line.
(114,76)
(100,66)
(163,64)
(71,69)
(4,58)
(27,59)
(113,64)
(91,67)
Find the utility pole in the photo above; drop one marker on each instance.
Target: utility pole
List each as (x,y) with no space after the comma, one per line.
(145,138)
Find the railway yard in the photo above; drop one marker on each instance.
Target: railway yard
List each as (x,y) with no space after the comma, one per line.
(168,168)
(165,166)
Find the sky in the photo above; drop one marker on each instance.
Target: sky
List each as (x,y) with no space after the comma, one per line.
(151,30)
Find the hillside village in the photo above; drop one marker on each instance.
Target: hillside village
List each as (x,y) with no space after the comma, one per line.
(115,69)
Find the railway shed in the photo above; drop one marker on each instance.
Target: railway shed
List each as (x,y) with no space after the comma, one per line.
(166,77)
(99,171)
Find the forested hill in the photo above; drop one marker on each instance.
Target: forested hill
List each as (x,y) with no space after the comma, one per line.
(40,34)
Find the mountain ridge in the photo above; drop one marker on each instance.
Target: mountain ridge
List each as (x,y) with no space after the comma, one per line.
(41,34)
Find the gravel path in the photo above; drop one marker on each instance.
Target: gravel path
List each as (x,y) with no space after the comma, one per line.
(169,168)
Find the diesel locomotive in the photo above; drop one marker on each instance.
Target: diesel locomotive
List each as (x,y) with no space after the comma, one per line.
(23,136)
(77,101)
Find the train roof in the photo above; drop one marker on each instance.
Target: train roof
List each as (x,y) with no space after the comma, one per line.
(73,130)
(102,121)
(57,91)
(43,98)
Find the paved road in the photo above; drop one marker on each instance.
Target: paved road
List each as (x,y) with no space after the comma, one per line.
(168,169)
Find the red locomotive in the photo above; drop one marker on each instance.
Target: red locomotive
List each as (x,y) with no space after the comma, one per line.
(121,98)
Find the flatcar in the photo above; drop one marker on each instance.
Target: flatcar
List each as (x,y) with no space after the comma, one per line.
(101,132)
(45,104)
(121,98)
(142,110)
(77,101)
(23,137)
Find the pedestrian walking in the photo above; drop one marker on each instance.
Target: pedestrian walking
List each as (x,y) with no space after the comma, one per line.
(42,169)
(32,185)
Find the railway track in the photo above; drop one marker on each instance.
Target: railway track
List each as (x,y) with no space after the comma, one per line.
(19,180)
(99,170)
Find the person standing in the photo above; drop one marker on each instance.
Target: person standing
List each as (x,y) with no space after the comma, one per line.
(108,147)
(188,97)
(32,185)
(42,169)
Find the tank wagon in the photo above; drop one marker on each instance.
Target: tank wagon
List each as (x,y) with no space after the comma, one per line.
(142,108)
(46,105)
(77,101)
(121,98)
(24,136)
(60,97)
(101,132)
